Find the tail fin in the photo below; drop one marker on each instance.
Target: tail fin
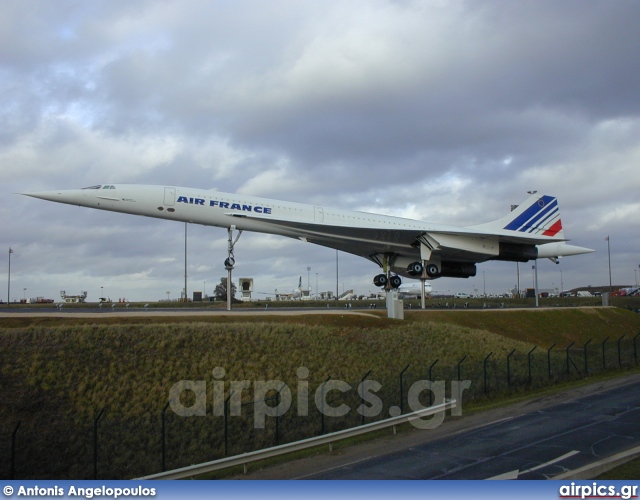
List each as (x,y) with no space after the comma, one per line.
(538,216)
(300,282)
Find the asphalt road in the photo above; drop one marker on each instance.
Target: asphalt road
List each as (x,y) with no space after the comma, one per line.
(117,309)
(534,440)
(122,311)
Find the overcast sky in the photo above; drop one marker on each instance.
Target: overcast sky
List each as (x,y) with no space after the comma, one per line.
(445,111)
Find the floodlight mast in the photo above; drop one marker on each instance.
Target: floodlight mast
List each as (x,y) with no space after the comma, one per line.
(9,280)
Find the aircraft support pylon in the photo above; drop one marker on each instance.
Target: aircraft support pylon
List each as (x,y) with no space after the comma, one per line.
(230,261)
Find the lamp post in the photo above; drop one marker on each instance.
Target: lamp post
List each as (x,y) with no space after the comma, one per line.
(337,275)
(535,281)
(9,280)
(609,254)
(309,281)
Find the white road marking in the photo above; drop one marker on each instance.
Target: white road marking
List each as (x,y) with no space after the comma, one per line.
(515,473)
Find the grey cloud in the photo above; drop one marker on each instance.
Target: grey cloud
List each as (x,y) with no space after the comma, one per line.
(446,111)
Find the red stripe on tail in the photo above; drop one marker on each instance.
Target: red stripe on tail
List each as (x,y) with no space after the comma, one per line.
(553,230)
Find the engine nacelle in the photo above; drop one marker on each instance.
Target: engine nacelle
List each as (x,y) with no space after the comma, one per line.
(512,252)
(457,270)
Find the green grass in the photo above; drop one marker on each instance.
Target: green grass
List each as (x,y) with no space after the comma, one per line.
(58,373)
(546,326)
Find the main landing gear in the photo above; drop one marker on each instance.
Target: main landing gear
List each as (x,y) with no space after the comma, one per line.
(422,270)
(384,281)
(415,269)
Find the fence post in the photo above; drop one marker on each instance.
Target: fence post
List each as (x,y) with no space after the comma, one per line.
(402,390)
(568,365)
(95,444)
(485,371)
(604,357)
(529,360)
(509,368)
(226,423)
(278,413)
(164,433)
(459,363)
(635,352)
(362,395)
(13,451)
(549,359)
(322,409)
(586,363)
(431,382)
(619,353)
(277,422)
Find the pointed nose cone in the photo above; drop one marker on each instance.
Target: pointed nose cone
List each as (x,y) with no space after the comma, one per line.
(45,195)
(70,196)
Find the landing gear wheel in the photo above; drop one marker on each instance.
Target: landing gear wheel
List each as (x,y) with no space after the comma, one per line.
(395,281)
(433,271)
(380,280)
(414,269)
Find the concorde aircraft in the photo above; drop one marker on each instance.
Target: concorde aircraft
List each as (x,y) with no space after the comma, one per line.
(400,246)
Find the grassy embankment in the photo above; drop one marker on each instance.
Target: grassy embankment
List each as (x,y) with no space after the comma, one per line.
(58,373)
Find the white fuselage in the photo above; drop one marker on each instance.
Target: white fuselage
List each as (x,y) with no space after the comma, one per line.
(377,237)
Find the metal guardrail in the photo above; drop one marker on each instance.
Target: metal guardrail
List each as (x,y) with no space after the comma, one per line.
(254,456)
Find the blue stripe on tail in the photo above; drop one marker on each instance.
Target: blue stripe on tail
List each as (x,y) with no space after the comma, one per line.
(533,214)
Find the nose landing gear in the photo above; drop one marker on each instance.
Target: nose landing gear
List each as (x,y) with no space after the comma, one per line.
(230,261)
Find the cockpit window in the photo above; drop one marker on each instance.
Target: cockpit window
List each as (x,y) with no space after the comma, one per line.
(100,186)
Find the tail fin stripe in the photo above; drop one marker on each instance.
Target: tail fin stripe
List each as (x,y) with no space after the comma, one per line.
(532,214)
(541,228)
(554,229)
(541,222)
(539,217)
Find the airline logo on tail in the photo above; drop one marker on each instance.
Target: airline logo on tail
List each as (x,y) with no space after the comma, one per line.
(542,217)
